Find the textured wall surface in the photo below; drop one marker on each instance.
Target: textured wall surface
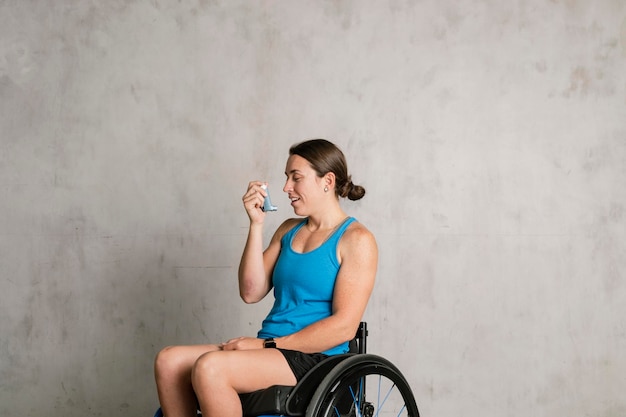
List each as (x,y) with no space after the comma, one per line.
(490,136)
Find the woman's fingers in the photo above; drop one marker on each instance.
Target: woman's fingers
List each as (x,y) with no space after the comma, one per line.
(253,198)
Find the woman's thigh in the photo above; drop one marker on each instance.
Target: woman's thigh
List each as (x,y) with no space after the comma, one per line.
(246,370)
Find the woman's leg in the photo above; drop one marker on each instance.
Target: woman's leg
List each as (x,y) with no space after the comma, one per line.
(219,377)
(172,371)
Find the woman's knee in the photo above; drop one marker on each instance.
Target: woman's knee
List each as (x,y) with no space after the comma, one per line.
(168,361)
(207,368)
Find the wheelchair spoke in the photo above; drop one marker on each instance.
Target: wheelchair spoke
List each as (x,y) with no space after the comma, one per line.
(356,402)
(381,405)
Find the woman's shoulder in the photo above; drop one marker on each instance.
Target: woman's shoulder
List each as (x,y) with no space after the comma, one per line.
(357,234)
(287,225)
(283,229)
(357,243)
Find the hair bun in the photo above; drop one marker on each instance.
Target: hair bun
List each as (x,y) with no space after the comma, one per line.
(352,191)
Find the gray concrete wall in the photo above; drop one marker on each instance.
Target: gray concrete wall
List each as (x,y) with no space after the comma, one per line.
(490,135)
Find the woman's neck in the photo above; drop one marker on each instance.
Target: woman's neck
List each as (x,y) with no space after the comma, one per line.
(325,223)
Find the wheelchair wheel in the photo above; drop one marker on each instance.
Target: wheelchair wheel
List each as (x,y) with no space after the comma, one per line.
(363,386)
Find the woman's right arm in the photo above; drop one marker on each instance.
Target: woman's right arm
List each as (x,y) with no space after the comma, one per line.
(257,265)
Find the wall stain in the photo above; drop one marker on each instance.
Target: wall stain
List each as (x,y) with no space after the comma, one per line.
(580,81)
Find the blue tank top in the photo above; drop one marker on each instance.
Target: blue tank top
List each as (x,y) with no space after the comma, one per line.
(303,286)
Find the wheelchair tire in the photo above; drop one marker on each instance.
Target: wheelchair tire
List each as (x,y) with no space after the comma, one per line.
(363,386)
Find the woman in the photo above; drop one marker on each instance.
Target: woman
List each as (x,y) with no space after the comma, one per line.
(322,269)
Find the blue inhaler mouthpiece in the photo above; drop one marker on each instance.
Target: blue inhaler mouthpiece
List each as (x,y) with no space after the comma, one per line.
(267,203)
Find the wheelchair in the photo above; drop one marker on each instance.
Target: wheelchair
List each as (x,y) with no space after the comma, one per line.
(355,384)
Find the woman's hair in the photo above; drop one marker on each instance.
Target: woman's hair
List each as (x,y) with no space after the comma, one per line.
(325,157)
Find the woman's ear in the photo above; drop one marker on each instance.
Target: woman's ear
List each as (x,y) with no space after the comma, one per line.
(329,180)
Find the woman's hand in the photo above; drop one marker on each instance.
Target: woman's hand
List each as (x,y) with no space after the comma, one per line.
(242,343)
(253,201)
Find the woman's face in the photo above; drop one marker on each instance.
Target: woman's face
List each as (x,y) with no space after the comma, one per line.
(303,186)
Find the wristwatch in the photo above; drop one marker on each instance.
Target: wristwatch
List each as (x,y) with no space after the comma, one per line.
(269,343)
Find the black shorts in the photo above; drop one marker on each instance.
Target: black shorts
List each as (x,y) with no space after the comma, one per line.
(301,363)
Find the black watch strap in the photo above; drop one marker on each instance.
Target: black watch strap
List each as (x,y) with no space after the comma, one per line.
(269,343)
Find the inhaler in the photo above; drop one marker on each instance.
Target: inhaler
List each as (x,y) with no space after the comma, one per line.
(267,203)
